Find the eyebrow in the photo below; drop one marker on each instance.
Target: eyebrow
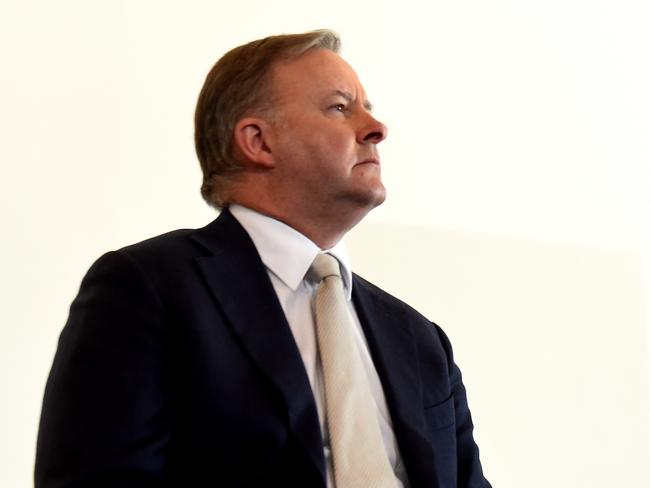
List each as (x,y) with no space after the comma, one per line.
(347,96)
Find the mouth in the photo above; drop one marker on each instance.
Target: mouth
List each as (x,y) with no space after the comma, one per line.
(371,160)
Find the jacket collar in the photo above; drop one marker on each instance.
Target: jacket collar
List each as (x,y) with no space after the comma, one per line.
(240,284)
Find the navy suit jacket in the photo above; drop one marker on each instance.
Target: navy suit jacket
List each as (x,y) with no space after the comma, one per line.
(177,367)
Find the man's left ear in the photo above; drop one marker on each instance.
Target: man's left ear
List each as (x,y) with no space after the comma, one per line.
(250,142)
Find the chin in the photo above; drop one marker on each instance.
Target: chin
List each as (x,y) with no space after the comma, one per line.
(372,198)
(379,196)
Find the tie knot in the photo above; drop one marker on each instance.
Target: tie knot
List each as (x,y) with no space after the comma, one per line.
(325,265)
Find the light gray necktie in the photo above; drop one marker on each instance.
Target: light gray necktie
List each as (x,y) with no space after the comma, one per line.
(359,456)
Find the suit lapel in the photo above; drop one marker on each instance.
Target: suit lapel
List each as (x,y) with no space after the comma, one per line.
(394,353)
(239,282)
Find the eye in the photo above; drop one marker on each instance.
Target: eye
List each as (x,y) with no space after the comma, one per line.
(339,107)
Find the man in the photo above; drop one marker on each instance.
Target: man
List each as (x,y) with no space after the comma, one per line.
(206,357)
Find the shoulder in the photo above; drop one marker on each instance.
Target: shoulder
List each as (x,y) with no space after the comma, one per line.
(149,252)
(432,345)
(398,307)
(386,299)
(164,245)
(159,258)
(178,245)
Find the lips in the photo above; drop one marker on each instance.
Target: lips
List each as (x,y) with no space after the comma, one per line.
(371,160)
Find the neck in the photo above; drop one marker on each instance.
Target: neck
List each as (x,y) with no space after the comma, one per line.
(323,229)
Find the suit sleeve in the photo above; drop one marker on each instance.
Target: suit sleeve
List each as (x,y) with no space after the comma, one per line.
(105,419)
(470,472)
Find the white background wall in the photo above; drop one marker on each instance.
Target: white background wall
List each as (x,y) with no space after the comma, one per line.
(516,164)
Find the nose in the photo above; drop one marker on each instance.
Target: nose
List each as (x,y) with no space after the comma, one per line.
(373,131)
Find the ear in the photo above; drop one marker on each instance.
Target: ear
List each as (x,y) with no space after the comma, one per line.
(250,142)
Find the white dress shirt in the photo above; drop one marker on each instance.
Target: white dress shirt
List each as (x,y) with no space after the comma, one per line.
(287,255)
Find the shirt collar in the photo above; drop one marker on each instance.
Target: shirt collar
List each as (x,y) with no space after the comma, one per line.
(287,253)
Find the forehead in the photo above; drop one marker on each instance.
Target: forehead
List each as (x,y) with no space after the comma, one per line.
(318,70)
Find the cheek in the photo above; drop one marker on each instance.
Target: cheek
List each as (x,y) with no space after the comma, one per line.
(319,146)
(337,145)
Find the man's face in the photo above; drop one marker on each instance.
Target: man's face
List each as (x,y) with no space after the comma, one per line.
(324,137)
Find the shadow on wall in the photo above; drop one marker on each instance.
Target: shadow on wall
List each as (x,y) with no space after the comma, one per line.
(551,341)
